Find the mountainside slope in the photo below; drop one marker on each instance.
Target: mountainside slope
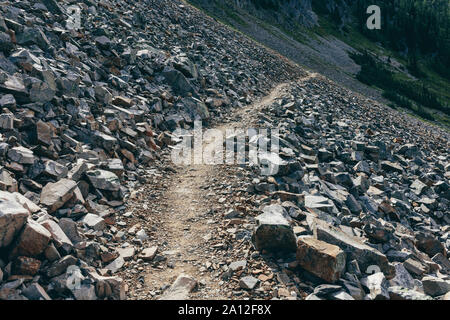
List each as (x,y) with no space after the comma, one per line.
(331,37)
(93,207)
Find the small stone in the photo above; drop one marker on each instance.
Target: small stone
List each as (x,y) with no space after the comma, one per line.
(116,265)
(149,253)
(391,167)
(180,289)
(141,235)
(126,253)
(341,295)
(401,293)
(418,187)
(248,282)
(238,265)
(84,292)
(94,222)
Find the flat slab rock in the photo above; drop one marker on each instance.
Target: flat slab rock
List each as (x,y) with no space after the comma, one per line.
(248,282)
(104,180)
(322,259)
(55,195)
(180,289)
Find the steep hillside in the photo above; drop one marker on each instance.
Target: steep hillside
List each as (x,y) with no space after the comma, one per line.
(331,37)
(350,202)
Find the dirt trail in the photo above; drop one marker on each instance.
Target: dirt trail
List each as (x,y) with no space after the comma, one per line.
(185,222)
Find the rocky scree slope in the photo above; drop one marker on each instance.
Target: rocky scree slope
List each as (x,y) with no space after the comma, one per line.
(84,115)
(361,200)
(361,189)
(280,29)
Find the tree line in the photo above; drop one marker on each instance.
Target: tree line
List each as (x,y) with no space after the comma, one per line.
(419,28)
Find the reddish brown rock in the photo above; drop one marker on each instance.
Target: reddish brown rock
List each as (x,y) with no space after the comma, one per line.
(26,266)
(429,244)
(322,259)
(33,240)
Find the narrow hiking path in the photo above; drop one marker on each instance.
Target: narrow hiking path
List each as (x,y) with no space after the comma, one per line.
(189,213)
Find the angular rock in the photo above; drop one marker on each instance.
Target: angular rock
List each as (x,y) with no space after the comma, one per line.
(21,155)
(26,266)
(36,292)
(238,265)
(415,267)
(400,293)
(443,262)
(274,232)
(429,244)
(12,218)
(148,253)
(324,260)
(318,202)
(180,289)
(126,253)
(248,282)
(402,278)
(59,238)
(354,249)
(104,180)
(69,227)
(93,221)
(418,187)
(116,265)
(391,167)
(84,292)
(142,235)
(33,240)
(434,286)
(60,266)
(108,287)
(55,195)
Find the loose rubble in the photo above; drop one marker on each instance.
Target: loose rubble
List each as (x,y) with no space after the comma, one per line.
(85,114)
(358,210)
